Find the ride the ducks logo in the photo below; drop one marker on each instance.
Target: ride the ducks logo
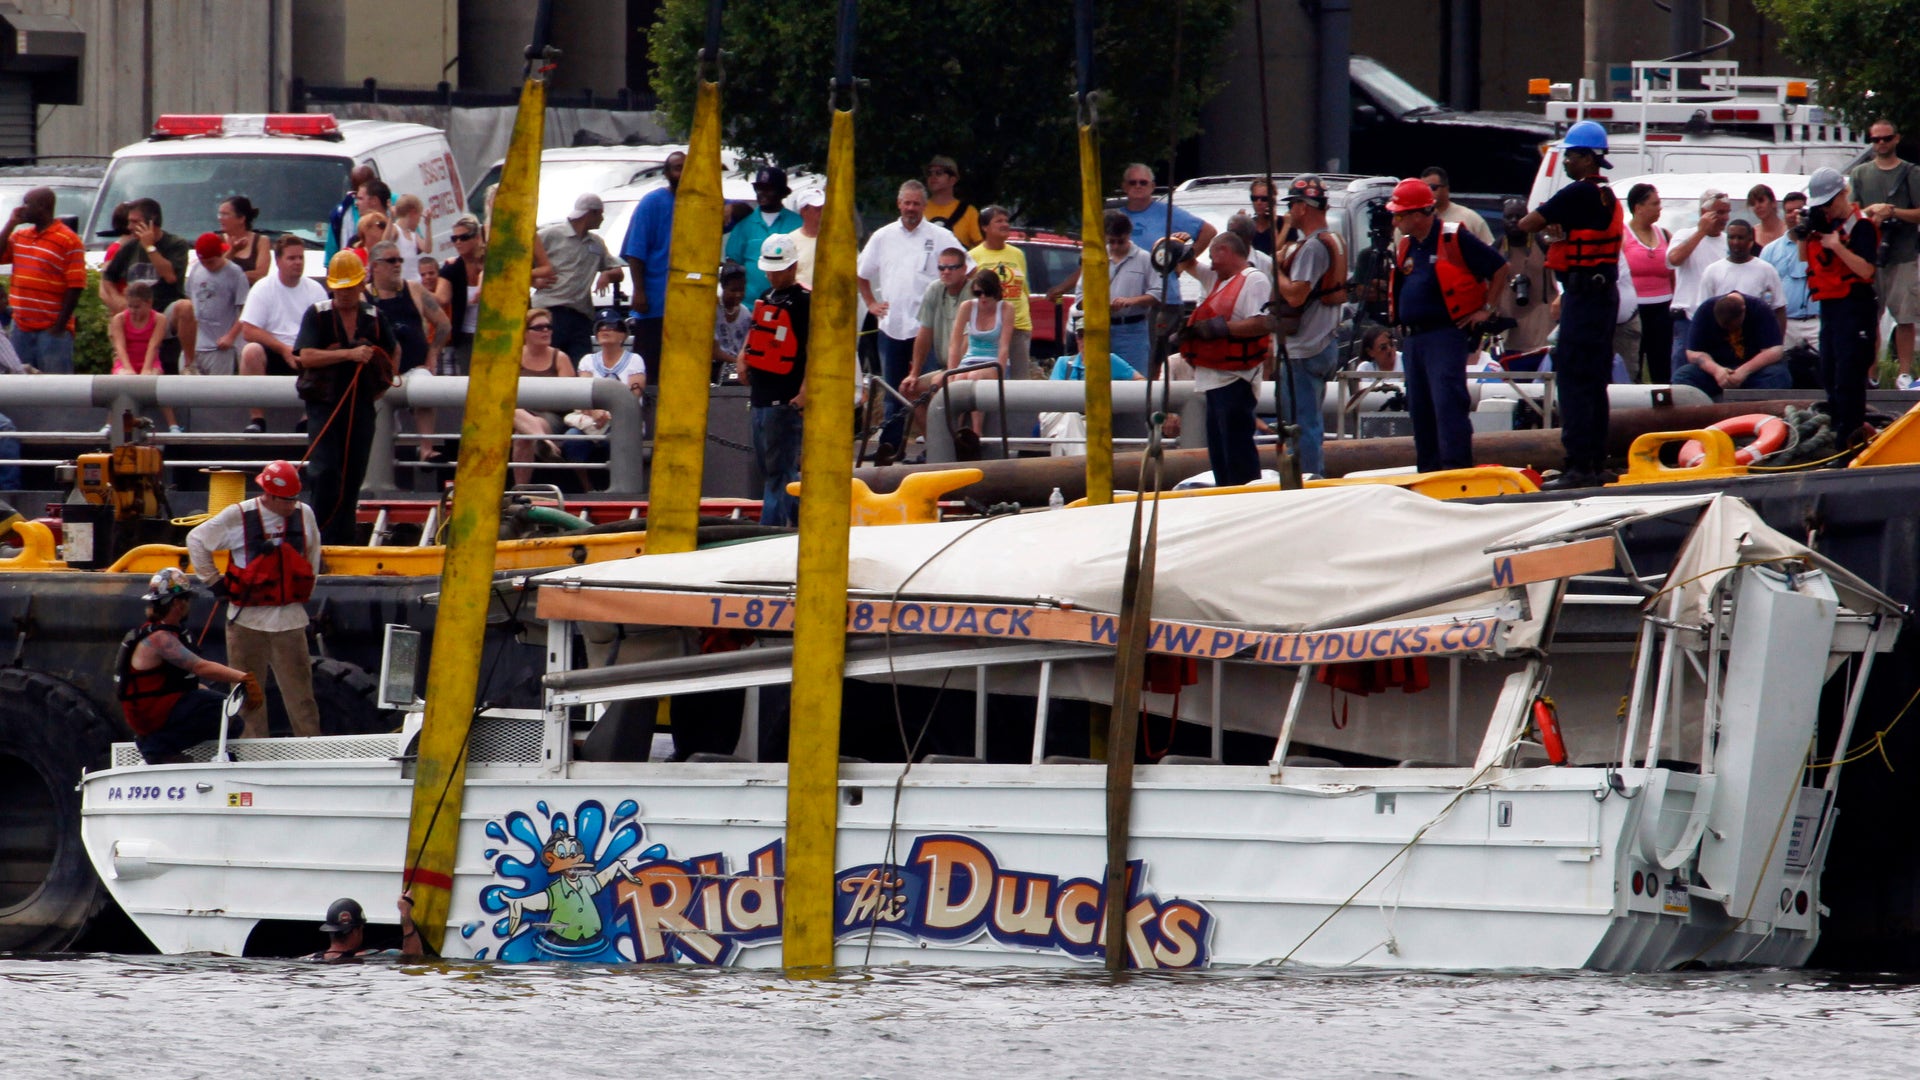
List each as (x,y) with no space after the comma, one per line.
(580,898)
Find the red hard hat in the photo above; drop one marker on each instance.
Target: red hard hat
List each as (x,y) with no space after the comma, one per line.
(279,478)
(1412,194)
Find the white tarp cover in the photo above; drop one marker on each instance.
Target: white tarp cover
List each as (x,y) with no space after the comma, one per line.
(1277,561)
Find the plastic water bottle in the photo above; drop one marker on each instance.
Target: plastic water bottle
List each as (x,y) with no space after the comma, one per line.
(1056,500)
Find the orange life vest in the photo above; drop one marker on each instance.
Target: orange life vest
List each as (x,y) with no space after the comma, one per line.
(1462,292)
(1227,353)
(1828,276)
(1585,249)
(147,697)
(278,572)
(772,344)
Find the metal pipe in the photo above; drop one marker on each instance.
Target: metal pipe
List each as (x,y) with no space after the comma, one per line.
(1335,19)
(1463,54)
(1029,480)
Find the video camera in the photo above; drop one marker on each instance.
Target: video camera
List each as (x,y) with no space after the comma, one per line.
(1374,266)
(1814,222)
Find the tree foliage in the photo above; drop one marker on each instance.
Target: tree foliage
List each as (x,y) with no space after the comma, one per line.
(1857,50)
(989,84)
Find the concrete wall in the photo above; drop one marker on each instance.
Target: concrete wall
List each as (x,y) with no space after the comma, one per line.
(144,58)
(343,42)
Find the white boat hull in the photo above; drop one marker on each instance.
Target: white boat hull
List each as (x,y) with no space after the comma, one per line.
(1321,867)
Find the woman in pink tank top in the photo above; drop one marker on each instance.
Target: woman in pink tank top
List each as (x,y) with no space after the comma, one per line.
(1645,247)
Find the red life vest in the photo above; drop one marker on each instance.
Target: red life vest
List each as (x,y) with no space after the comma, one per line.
(1828,276)
(1585,249)
(277,571)
(1227,353)
(772,343)
(1462,292)
(147,697)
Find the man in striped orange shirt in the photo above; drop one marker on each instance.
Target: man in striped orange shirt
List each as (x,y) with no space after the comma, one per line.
(49,274)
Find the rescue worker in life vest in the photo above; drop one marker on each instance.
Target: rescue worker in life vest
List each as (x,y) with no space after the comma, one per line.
(1228,341)
(159,677)
(273,552)
(1839,246)
(1586,257)
(1439,291)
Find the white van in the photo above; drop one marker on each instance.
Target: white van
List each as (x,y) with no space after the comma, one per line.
(292,166)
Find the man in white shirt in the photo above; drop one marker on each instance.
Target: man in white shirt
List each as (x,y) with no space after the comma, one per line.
(900,260)
(1228,341)
(270,572)
(1742,273)
(1448,210)
(270,321)
(1691,251)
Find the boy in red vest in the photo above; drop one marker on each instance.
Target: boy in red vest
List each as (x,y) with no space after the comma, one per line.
(273,552)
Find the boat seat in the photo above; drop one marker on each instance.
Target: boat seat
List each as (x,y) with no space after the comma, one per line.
(1187,759)
(951,759)
(625,733)
(1069,759)
(1308,761)
(1424,763)
(703,755)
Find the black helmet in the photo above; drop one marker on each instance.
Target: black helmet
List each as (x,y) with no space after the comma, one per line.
(344,916)
(1309,188)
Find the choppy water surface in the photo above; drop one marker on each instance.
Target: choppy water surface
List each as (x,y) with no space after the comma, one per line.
(118,1017)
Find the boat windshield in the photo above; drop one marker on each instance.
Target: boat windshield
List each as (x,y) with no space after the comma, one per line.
(295,193)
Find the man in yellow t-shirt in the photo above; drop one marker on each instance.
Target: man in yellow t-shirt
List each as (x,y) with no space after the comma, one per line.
(1010,263)
(947,209)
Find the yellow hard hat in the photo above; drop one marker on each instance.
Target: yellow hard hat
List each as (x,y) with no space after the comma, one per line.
(345,270)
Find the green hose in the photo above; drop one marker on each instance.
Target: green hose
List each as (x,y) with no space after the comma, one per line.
(547,515)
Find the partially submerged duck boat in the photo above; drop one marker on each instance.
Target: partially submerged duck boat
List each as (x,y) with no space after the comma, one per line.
(1614,763)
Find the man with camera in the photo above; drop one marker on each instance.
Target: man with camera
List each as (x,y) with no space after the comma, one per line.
(1839,245)
(1586,256)
(1784,255)
(1884,188)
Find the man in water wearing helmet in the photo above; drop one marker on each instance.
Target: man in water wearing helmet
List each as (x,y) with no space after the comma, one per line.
(159,678)
(346,930)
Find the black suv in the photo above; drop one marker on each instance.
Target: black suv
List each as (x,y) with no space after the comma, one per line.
(1398,130)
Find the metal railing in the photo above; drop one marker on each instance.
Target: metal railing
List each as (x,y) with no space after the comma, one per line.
(625,438)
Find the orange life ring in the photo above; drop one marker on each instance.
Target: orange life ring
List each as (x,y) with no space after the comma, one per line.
(1769,433)
(1547,719)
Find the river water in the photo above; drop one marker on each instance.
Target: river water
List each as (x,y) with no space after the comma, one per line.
(106,1016)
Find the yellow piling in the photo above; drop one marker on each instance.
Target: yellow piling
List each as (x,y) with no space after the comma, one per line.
(680,433)
(820,614)
(1096,350)
(473,525)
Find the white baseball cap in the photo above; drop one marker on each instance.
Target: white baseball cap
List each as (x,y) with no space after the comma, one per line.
(1823,185)
(813,197)
(778,252)
(586,204)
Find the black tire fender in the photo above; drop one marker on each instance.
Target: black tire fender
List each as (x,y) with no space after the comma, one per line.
(50,732)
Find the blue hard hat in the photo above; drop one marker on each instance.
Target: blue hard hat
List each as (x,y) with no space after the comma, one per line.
(1586,135)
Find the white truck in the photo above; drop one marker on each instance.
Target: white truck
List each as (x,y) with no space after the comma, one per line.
(1698,118)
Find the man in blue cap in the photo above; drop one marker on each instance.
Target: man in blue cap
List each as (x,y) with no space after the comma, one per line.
(771,218)
(1589,223)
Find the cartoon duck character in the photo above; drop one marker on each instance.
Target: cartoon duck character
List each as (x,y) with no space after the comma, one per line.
(573,919)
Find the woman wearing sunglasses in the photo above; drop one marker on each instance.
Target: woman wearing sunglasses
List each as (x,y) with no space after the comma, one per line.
(538,360)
